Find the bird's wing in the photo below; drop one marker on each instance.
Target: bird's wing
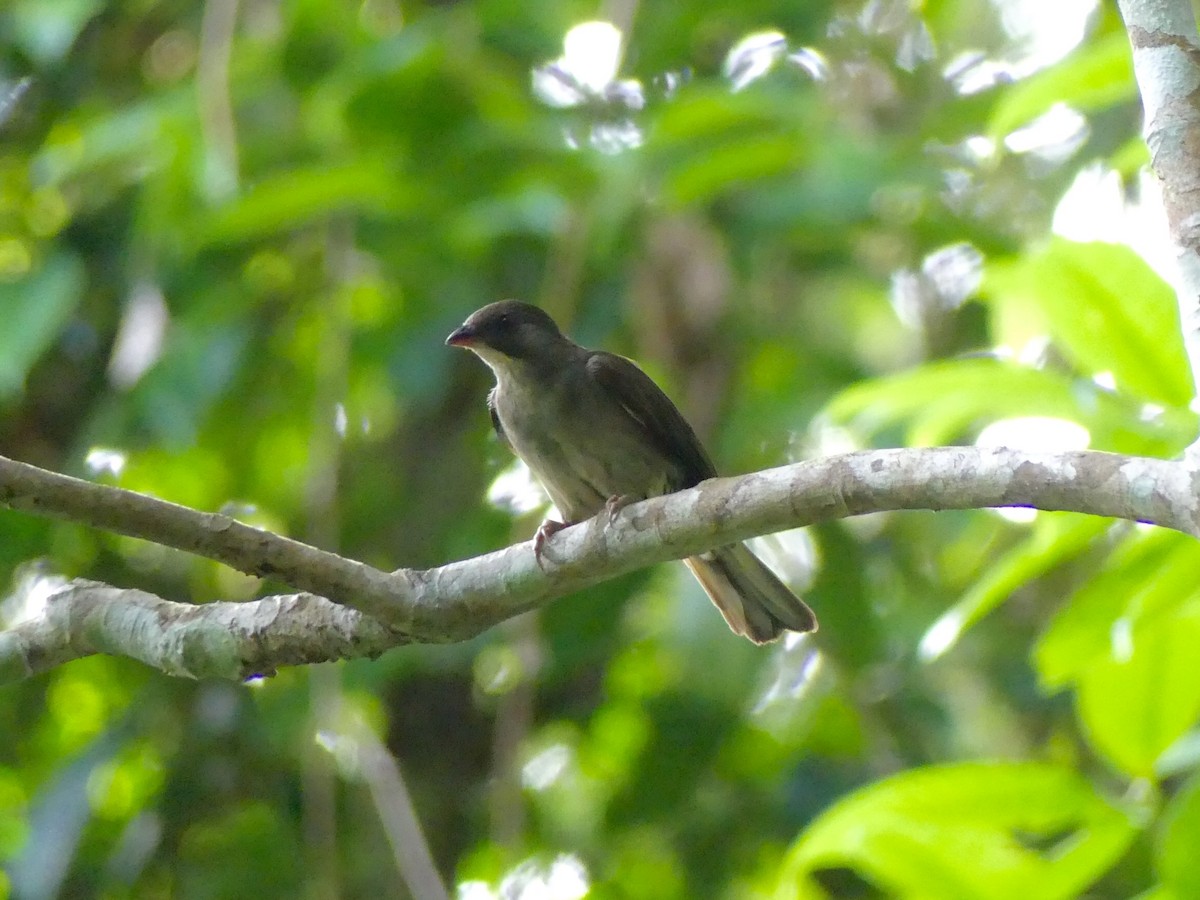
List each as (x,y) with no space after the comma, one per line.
(495,416)
(654,413)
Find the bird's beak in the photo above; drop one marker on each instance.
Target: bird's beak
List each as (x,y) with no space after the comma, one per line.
(462,336)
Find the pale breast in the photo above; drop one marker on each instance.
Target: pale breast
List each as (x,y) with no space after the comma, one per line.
(580,445)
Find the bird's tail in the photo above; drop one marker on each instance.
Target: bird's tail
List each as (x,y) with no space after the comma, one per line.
(752,599)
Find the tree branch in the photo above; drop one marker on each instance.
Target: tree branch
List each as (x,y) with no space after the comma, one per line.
(211,535)
(1166,63)
(214,640)
(461,599)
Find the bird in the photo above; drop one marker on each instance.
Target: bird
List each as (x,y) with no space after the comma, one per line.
(598,433)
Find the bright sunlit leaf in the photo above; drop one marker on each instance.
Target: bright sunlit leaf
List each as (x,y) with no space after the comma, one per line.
(983,830)
(1107,310)
(1142,696)
(1146,576)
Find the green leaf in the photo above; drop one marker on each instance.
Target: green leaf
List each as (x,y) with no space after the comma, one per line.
(1053,539)
(1127,640)
(121,144)
(941,402)
(705,113)
(978,830)
(291,199)
(1148,575)
(1097,76)
(1107,310)
(46,31)
(34,311)
(1140,699)
(736,163)
(1175,851)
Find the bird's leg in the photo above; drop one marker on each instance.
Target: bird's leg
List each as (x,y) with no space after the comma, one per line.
(616,503)
(546,530)
(551,527)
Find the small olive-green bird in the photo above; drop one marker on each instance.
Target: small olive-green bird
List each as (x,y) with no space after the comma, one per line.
(598,433)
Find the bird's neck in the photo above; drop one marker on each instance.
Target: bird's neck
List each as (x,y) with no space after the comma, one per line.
(536,370)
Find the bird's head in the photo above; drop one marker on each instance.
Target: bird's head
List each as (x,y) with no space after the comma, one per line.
(506,331)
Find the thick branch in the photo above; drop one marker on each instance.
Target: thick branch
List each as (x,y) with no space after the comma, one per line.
(1166,62)
(216,640)
(462,599)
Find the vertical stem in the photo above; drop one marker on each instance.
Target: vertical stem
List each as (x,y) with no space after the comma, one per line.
(514,721)
(382,773)
(319,784)
(216,107)
(399,818)
(321,495)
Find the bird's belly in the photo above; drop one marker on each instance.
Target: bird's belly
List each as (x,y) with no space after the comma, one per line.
(582,462)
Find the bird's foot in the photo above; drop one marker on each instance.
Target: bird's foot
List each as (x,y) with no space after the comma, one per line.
(546,530)
(616,503)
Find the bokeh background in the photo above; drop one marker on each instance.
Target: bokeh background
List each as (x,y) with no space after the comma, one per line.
(233,236)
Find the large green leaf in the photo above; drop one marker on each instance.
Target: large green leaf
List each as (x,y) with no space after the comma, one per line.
(1127,642)
(1144,696)
(1149,575)
(940,403)
(1107,310)
(977,830)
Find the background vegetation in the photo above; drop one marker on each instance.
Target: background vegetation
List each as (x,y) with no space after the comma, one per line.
(232,239)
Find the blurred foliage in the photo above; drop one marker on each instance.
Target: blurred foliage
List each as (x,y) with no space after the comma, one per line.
(232,239)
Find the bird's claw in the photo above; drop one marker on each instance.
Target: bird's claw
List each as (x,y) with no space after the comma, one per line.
(545,531)
(616,503)
(550,527)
